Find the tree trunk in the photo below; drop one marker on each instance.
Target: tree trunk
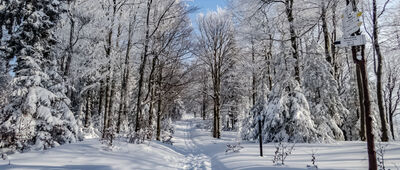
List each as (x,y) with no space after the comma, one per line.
(106,107)
(368,120)
(218,117)
(108,50)
(293,38)
(122,103)
(125,77)
(379,90)
(217,104)
(393,99)
(215,120)
(159,103)
(361,100)
(204,94)
(254,82)
(142,68)
(216,72)
(151,107)
(326,33)
(105,115)
(260,137)
(88,109)
(101,93)
(159,117)
(151,89)
(70,45)
(110,106)
(334,37)
(391,125)
(269,58)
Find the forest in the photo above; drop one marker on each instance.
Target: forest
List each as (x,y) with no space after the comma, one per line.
(263,71)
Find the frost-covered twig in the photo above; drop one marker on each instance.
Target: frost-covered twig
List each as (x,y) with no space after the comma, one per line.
(380,153)
(282,152)
(5,157)
(313,160)
(233,148)
(167,140)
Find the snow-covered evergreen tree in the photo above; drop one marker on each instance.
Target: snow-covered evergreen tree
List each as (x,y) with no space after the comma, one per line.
(287,115)
(284,112)
(326,107)
(233,93)
(38,113)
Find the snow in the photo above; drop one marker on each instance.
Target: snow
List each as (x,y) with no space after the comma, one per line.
(194,148)
(91,154)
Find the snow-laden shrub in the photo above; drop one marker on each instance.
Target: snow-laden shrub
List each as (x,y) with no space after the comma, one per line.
(249,129)
(327,110)
(233,148)
(287,115)
(43,119)
(310,112)
(232,98)
(282,151)
(16,132)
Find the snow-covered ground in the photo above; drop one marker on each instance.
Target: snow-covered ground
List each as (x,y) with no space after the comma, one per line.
(91,154)
(193,148)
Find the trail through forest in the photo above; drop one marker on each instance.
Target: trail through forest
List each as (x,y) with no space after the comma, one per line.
(117,84)
(193,148)
(195,159)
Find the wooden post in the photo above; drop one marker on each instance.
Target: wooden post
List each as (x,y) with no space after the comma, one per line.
(368,119)
(367,101)
(260,137)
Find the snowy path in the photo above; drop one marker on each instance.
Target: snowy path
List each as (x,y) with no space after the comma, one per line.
(185,145)
(195,149)
(204,152)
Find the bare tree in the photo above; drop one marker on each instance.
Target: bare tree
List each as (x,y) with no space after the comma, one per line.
(123,106)
(216,48)
(379,72)
(293,36)
(154,18)
(142,67)
(392,93)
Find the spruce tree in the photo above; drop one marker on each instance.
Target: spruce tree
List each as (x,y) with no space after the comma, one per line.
(38,112)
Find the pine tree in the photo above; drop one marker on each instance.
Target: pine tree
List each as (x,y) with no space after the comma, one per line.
(38,113)
(328,112)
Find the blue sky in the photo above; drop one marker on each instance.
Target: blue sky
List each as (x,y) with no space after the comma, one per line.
(205,6)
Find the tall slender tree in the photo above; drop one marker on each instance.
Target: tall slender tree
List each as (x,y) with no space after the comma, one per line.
(216,48)
(379,73)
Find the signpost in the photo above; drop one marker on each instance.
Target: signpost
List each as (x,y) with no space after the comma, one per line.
(351,41)
(349,8)
(353,38)
(350,25)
